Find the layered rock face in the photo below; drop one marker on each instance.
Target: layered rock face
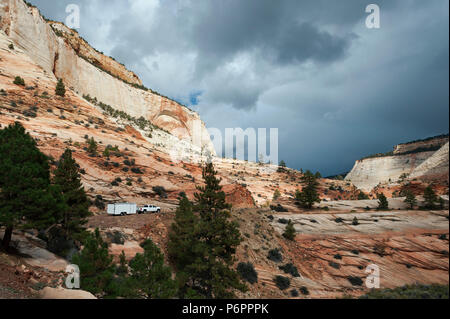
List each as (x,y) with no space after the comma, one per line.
(89,72)
(434,167)
(415,163)
(436,142)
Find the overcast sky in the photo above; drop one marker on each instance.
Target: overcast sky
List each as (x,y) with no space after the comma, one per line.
(336,90)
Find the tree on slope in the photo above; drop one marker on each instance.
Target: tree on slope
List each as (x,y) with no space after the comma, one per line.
(383,203)
(60,88)
(96,264)
(182,246)
(27,200)
(290,232)
(68,179)
(430,198)
(149,277)
(207,267)
(410,199)
(309,195)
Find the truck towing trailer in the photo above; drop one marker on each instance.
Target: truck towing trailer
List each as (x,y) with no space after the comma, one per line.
(122,209)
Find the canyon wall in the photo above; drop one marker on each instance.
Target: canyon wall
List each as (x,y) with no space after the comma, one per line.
(368,173)
(409,159)
(88,72)
(436,142)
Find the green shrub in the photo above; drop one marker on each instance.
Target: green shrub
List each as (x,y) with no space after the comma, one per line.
(60,89)
(304,290)
(160,191)
(19,81)
(247,272)
(355,281)
(282,283)
(275,255)
(290,269)
(410,292)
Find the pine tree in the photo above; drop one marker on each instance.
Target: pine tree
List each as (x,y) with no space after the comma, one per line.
(410,199)
(383,203)
(27,200)
(290,231)
(276,194)
(206,268)
(96,264)
(430,198)
(92,146)
(60,88)
(149,277)
(67,178)
(309,195)
(182,241)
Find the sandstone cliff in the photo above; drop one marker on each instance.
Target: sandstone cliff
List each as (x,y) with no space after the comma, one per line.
(89,72)
(408,161)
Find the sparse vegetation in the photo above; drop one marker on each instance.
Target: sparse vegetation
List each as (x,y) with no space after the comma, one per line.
(410,292)
(275,255)
(19,81)
(309,195)
(430,198)
(410,199)
(383,203)
(276,195)
(355,281)
(248,272)
(282,283)
(60,89)
(290,232)
(290,269)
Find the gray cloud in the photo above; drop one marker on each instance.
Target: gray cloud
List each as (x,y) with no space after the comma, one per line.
(336,90)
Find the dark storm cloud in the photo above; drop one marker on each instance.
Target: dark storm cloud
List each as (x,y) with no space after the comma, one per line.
(336,90)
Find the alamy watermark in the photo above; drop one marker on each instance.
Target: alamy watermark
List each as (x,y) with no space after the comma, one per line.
(373,20)
(73,277)
(73,18)
(373,278)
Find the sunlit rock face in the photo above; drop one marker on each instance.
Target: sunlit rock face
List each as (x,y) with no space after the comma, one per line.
(416,163)
(62,53)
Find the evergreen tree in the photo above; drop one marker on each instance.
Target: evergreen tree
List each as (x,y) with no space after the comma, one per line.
(206,267)
(27,200)
(430,198)
(68,179)
(149,277)
(290,231)
(410,199)
(282,166)
(309,195)
(96,265)
(60,88)
(383,203)
(92,146)
(276,194)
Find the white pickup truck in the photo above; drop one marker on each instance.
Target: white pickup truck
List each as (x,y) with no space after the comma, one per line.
(149,209)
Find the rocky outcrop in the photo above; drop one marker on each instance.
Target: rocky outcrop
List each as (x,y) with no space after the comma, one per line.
(430,143)
(61,293)
(368,173)
(408,161)
(89,72)
(434,167)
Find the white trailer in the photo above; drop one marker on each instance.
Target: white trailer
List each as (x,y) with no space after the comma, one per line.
(122,209)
